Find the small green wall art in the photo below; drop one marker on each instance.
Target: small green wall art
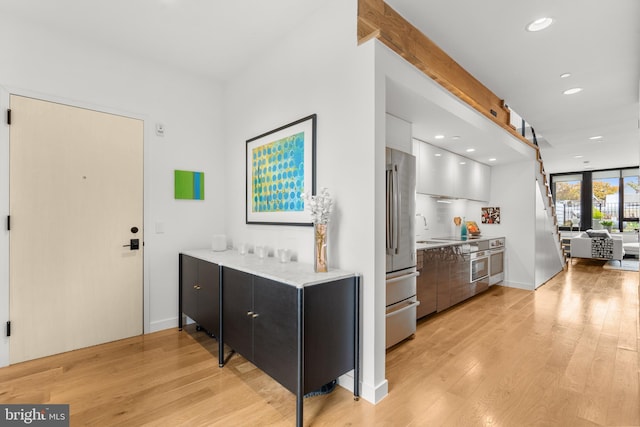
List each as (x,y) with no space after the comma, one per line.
(188,185)
(280,167)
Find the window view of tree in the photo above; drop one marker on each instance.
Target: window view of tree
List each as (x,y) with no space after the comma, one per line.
(601,189)
(568,190)
(614,203)
(568,202)
(631,203)
(606,201)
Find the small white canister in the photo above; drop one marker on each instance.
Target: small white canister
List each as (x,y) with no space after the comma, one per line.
(219,243)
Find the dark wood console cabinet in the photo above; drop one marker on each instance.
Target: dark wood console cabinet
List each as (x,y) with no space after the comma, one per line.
(199,293)
(304,335)
(269,322)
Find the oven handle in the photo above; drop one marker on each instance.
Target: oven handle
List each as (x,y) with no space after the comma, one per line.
(403,277)
(479,279)
(403,309)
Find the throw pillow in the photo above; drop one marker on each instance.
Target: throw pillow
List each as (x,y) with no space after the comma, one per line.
(598,233)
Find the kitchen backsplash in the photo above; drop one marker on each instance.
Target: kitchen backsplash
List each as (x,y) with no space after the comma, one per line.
(438,217)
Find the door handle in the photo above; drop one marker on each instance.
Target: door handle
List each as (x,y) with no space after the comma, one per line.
(134,244)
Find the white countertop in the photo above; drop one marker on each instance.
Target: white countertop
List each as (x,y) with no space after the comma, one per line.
(435,243)
(292,273)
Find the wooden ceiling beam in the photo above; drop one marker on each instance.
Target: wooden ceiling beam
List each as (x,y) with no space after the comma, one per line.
(378,20)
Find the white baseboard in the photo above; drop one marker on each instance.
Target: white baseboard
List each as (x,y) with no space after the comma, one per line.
(517,285)
(374,394)
(161,325)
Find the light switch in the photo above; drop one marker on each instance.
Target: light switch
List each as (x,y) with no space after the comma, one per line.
(159,227)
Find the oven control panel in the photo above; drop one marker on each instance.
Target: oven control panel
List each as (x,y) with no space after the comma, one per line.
(496,243)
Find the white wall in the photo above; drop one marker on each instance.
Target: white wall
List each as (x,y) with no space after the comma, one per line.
(439,217)
(513,189)
(321,71)
(548,262)
(398,134)
(50,66)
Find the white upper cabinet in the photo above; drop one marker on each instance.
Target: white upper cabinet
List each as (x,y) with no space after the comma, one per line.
(480,182)
(442,173)
(398,134)
(437,171)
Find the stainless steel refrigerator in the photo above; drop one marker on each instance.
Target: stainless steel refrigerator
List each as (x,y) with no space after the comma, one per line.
(401,246)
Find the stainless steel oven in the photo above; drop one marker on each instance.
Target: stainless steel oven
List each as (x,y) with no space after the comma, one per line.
(479,266)
(496,261)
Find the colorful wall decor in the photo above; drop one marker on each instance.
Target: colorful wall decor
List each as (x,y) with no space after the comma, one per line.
(280,168)
(188,185)
(490,215)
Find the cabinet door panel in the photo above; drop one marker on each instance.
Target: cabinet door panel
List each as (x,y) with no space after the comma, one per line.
(189,279)
(275,330)
(463,173)
(329,332)
(427,289)
(209,297)
(444,286)
(237,289)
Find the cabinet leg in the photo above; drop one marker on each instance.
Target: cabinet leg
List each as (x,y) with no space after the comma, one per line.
(356,344)
(299,404)
(300,373)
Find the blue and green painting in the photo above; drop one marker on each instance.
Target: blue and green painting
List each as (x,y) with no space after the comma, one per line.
(188,185)
(277,175)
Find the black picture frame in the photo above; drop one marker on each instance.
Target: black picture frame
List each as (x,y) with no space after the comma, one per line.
(280,167)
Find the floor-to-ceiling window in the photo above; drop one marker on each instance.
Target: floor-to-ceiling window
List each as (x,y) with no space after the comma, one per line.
(597,199)
(630,200)
(605,199)
(567,190)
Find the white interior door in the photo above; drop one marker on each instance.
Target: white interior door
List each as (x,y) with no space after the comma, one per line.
(76,198)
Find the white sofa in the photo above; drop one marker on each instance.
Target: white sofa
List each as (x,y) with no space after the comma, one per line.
(597,244)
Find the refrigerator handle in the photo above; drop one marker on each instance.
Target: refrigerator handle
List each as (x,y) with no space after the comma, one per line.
(389,213)
(403,277)
(396,209)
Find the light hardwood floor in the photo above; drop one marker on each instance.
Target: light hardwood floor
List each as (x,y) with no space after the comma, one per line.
(564,355)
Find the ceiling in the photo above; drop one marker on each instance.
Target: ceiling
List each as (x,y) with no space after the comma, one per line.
(215,38)
(597,41)
(594,40)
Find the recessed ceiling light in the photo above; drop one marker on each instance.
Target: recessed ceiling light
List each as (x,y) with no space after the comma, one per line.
(572,91)
(456,137)
(593,138)
(439,137)
(493,159)
(539,24)
(470,150)
(463,163)
(565,75)
(438,155)
(578,156)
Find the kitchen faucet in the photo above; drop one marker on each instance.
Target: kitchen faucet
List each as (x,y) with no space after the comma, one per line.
(424,219)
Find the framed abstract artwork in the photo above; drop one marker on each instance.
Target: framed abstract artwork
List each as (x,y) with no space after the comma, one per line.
(490,215)
(280,167)
(188,185)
